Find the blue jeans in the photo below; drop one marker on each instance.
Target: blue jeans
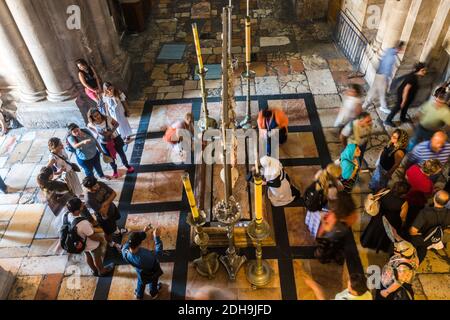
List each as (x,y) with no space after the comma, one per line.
(379,179)
(90,165)
(142,282)
(3,186)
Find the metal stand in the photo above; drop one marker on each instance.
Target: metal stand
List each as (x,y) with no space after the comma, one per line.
(247,122)
(229,213)
(208,264)
(205,122)
(259,273)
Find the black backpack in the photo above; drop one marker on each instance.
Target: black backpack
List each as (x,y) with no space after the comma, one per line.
(314,199)
(68,236)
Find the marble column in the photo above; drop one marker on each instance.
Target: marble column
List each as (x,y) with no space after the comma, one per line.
(398,13)
(115,60)
(18,59)
(33,23)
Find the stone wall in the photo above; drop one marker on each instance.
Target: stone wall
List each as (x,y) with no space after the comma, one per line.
(309,10)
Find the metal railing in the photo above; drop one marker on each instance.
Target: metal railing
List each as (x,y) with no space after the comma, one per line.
(350,40)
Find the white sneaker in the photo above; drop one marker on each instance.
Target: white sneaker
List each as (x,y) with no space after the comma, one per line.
(385,110)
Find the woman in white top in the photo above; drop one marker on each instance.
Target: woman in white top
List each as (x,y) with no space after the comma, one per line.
(280,191)
(352,106)
(117,107)
(59,159)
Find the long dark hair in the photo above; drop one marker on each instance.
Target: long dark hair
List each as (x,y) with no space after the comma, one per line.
(85,63)
(91,112)
(45,182)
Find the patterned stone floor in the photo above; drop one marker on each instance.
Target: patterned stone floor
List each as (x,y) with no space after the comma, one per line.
(298,68)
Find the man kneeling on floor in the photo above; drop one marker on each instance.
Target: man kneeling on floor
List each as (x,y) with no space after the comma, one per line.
(144,261)
(77,236)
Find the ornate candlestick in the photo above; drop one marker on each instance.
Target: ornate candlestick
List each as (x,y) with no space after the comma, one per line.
(208,264)
(258,271)
(248,75)
(229,213)
(205,122)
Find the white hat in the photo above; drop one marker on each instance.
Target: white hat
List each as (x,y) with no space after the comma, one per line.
(271,168)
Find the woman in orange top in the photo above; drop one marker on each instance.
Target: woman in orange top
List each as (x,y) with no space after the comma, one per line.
(269,120)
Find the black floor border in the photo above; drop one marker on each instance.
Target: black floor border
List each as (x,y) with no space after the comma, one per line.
(283,252)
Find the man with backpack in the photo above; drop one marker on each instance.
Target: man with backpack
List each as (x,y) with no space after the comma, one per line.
(77,235)
(144,261)
(427,229)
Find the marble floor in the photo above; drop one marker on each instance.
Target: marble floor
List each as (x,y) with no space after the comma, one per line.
(298,69)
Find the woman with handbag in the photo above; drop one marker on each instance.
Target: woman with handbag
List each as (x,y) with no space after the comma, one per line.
(110,140)
(56,192)
(86,149)
(389,160)
(65,168)
(394,207)
(350,164)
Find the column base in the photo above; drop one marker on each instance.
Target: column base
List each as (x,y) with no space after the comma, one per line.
(50,115)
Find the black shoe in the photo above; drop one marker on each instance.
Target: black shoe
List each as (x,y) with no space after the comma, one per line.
(390,123)
(408,120)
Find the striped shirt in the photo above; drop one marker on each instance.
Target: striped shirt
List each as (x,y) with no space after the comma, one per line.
(422,152)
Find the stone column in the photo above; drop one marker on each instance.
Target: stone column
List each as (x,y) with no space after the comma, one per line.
(398,12)
(33,23)
(18,60)
(115,60)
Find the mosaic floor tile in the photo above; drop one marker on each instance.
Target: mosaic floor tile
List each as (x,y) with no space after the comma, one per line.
(156,151)
(316,281)
(164,116)
(77,288)
(7,211)
(295,110)
(435,286)
(25,288)
(158,187)
(43,265)
(299,145)
(172,52)
(214,72)
(22,226)
(49,287)
(167,221)
(298,232)
(302,177)
(321,82)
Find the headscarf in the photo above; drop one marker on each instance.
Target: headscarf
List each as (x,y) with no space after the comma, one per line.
(272,168)
(403,140)
(347,157)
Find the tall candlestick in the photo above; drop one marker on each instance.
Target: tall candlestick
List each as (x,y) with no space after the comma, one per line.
(258,199)
(197,47)
(248,8)
(190,196)
(248,40)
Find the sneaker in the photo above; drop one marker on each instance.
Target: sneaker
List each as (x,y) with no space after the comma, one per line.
(390,123)
(121,231)
(115,175)
(385,110)
(130,170)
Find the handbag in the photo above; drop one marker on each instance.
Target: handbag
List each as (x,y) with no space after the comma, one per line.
(74,166)
(107,159)
(372,202)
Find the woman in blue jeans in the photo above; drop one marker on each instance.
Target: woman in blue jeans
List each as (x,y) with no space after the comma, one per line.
(86,151)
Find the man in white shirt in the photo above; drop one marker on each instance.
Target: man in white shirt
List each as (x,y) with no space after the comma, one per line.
(357,289)
(85,230)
